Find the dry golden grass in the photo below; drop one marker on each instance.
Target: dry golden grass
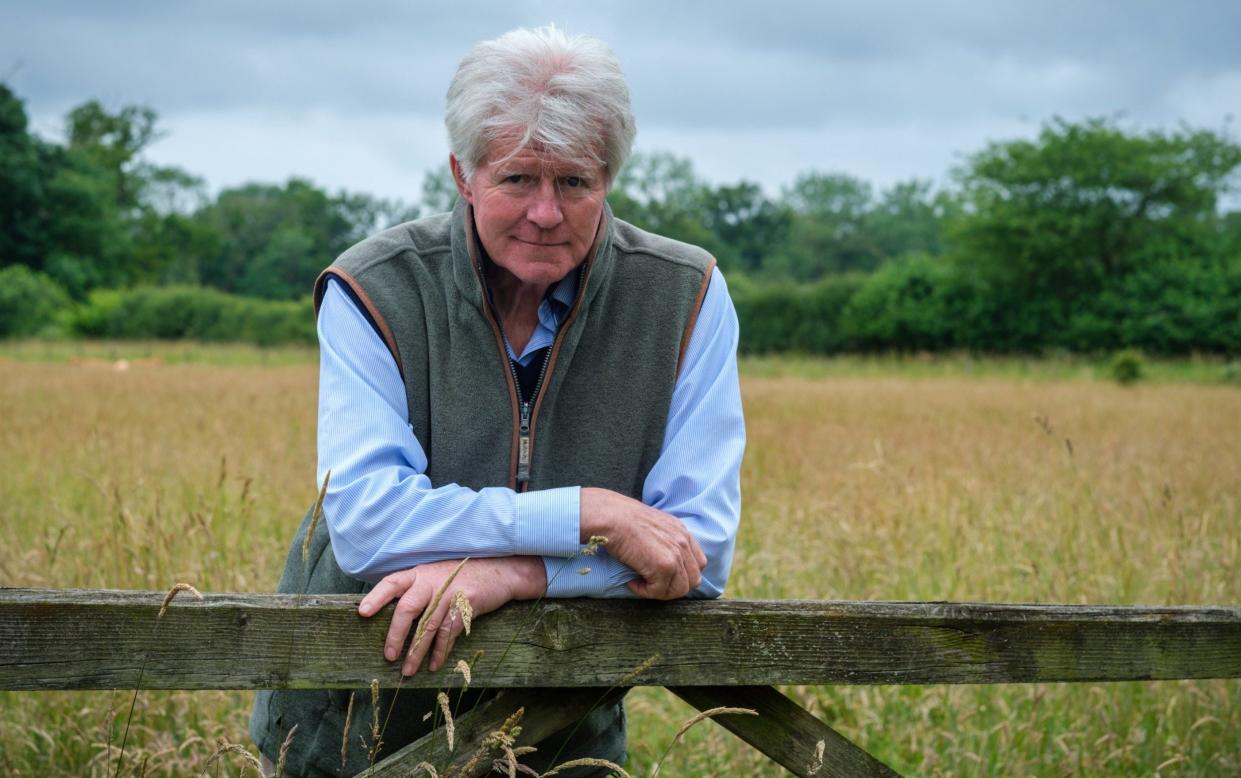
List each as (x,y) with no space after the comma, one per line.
(855,488)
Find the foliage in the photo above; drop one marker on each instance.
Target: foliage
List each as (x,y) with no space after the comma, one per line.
(271,241)
(1062,214)
(919,304)
(1127,366)
(1089,237)
(196,313)
(30,302)
(784,317)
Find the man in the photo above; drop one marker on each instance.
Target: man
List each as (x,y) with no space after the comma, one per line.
(506,382)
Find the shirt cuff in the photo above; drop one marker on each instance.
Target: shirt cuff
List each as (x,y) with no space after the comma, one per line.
(587,576)
(548,522)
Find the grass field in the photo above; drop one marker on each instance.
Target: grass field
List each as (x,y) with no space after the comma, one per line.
(864,479)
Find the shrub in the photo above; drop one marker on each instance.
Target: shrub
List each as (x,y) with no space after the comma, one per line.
(1127,366)
(30,302)
(196,313)
(919,304)
(783,317)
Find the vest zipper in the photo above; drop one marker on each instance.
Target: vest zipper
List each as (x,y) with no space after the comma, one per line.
(523,427)
(528,410)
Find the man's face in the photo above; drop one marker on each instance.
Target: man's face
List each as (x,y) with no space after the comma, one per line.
(536,215)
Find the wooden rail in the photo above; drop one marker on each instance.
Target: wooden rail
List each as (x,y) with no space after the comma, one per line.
(712,653)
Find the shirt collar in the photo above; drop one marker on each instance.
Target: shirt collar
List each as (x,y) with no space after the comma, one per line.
(565,289)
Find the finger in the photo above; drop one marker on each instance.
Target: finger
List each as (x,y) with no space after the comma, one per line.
(699,556)
(693,576)
(445,638)
(408,608)
(417,652)
(639,588)
(385,591)
(681,584)
(665,587)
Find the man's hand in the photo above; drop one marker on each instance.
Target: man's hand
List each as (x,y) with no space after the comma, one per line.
(486,583)
(667,559)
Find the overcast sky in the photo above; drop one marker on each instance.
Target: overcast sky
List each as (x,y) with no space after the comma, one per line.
(351,94)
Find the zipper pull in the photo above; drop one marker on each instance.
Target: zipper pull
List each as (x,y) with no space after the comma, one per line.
(523,446)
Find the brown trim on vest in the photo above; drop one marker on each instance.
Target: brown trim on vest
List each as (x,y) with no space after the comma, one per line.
(471,250)
(693,317)
(384,330)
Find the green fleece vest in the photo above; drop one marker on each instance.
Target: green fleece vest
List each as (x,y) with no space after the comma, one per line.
(598,420)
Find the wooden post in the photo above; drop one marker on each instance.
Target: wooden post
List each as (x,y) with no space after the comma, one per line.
(786,732)
(537,716)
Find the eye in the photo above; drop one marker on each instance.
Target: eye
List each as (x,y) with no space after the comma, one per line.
(573,182)
(515,178)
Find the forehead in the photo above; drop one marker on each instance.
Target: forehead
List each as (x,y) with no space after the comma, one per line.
(502,156)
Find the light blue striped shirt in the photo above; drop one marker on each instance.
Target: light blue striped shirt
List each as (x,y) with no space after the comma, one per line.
(384,515)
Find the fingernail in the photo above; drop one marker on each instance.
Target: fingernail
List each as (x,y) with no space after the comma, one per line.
(390,654)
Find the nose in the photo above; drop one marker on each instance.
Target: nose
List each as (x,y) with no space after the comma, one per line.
(544,208)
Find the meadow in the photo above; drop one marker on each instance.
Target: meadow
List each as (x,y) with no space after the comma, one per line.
(139,465)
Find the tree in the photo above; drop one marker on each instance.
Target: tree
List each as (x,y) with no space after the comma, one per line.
(660,192)
(909,219)
(828,232)
(439,190)
(1061,214)
(272,240)
(748,226)
(113,141)
(21,186)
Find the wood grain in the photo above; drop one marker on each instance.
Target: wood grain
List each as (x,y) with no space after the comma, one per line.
(786,732)
(542,715)
(99,639)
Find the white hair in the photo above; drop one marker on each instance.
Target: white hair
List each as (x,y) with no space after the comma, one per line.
(542,88)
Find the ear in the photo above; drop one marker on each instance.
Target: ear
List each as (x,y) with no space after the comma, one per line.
(458,177)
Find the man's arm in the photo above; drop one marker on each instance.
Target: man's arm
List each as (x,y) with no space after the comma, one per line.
(384,515)
(697,475)
(693,487)
(382,512)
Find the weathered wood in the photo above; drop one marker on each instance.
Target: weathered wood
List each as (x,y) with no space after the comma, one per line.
(786,732)
(543,714)
(80,639)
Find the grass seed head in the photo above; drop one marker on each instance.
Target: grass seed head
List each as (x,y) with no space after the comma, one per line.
(172,593)
(421,630)
(461,607)
(463,668)
(646,664)
(587,762)
(450,729)
(223,747)
(817,763)
(284,751)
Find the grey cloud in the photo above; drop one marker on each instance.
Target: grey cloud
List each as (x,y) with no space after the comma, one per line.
(759,88)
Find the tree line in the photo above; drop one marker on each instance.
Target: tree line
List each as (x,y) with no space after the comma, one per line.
(1088,237)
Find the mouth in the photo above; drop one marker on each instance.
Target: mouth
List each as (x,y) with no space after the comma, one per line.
(540,244)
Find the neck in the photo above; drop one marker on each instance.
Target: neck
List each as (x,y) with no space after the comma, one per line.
(516,304)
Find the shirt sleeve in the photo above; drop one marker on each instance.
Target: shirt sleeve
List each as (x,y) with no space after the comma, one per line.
(697,477)
(381,510)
